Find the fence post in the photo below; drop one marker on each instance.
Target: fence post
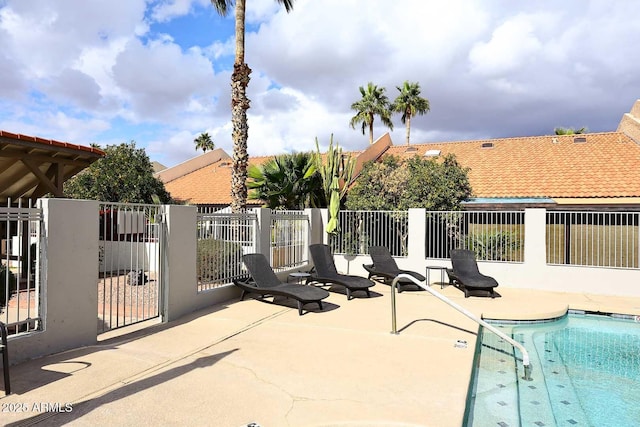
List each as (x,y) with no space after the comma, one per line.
(324,218)
(263,245)
(416,229)
(179,275)
(535,242)
(316,226)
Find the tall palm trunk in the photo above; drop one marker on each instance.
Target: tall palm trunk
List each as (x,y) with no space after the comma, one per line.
(370,129)
(408,122)
(239,106)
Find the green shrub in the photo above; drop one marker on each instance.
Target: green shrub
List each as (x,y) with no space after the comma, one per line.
(218,259)
(13,285)
(497,246)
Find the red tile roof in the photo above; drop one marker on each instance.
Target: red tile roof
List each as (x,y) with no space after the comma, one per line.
(605,165)
(205,181)
(49,142)
(571,169)
(209,185)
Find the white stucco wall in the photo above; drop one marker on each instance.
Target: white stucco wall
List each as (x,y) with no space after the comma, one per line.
(70,272)
(533,273)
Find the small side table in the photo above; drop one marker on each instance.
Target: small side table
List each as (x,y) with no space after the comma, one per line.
(436,267)
(298,277)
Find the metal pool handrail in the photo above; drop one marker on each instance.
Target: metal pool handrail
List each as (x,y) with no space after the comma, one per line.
(394,329)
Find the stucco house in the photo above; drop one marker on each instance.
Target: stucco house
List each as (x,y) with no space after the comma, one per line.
(585,171)
(205,180)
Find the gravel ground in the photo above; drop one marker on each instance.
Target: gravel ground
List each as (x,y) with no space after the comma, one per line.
(120,303)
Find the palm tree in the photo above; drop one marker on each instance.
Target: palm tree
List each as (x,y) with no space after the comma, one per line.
(288,181)
(240,103)
(410,103)
(374,102)
(570,131)
(204,142)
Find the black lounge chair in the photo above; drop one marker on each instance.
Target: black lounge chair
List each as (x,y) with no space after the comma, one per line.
(5,358)
(385,269)
(266,283)
(465,275)
(325,272)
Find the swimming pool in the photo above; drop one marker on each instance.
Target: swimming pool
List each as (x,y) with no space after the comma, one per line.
(586,372)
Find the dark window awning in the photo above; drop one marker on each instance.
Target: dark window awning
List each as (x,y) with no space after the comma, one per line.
(31,167)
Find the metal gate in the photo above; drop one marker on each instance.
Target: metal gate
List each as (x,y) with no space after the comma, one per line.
(130,264)
(20,277)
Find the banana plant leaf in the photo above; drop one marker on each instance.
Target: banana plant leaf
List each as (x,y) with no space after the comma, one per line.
(334,206)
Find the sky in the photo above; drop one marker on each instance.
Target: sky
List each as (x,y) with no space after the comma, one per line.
(158,72)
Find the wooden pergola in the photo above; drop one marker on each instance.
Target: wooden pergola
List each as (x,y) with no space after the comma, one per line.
(31,167)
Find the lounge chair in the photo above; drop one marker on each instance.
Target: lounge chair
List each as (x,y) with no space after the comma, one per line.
(325,272)
(5,358)
(385,269)
(465,275)
(266,283)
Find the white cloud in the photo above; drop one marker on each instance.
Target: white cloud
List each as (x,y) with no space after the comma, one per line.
(513,45)
(257,11)
(177,147)
(58,125)
(12,84)
(48,36)
(160,79)
(75,87)
(316,51)
(220,49)
(467,56)
(169,9)
(74,128)
(97,62)
(295,124)
(489,69)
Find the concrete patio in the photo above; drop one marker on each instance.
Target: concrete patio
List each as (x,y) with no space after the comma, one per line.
(243,362)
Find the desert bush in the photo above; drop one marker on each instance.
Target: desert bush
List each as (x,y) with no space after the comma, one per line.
(497,246)
(218,259)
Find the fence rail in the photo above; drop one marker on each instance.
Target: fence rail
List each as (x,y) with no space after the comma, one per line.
(596,239)
(222,240)
(492,235)
(361,229)
(204,209)
(289,239)
(20,278)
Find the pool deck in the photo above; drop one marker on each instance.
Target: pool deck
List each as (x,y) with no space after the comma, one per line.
(251,361)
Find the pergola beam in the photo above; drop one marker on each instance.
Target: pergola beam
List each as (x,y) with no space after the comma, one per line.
(45,181)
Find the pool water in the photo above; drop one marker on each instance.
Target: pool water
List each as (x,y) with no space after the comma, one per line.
(586,372)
